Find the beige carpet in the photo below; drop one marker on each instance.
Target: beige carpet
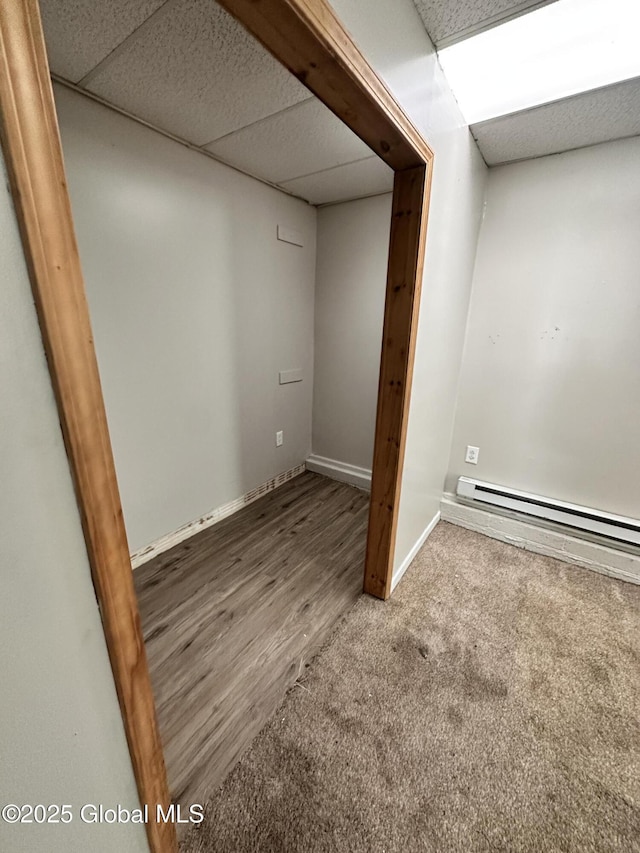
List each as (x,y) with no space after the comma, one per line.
(491,705)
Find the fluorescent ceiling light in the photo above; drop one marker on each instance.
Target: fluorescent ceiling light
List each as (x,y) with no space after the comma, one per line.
(559,50)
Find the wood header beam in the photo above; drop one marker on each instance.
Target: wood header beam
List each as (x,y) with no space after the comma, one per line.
(307,38)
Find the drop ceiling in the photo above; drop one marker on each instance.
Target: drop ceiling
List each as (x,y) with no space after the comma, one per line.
(455,20)
(589,118)
(189,69)
(601,115)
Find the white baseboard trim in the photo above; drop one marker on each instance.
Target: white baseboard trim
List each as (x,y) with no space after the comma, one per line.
(542,540)
(342,471)
(211,518)
(402,568)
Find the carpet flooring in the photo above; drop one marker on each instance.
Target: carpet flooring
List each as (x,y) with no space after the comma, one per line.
(492,704)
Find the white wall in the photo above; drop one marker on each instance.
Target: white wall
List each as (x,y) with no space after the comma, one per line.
(549,389)
(353,244)
(392,37)
(61,733)
(196,307)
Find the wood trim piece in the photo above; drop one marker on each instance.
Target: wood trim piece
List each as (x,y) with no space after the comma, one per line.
(31,144)
(409,213)
(307,38)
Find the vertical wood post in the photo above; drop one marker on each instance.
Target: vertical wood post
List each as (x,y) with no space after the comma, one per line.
(404,283)
(31,145)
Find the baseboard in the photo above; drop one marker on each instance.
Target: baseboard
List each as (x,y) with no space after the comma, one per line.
(402,568)
(342,471)
(542,540)
(211,518)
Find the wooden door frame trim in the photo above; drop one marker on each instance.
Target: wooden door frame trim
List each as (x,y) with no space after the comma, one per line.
(33,156)
(307,37)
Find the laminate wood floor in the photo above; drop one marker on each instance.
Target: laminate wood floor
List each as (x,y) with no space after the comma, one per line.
(231,616)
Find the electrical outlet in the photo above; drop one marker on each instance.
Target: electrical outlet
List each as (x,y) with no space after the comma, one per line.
(279,438)
(472,454)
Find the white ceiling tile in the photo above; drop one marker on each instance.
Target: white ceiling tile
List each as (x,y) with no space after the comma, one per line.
(195,72)
(452,21)
(80,33)
(587,119)
(303,139)
(353,180)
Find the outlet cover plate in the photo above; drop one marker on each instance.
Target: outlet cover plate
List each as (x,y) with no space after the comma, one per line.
(472,454)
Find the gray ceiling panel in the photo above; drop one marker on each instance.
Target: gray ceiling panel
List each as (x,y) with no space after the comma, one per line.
(350,181)
(304,139)
(195,72)
(601,115)
(452,21)
(81,33)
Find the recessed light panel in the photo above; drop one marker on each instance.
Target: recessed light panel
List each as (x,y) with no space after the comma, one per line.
(559,50)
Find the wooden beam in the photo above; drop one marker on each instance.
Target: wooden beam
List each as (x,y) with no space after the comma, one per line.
(31,144)
(309,40)
(404,280)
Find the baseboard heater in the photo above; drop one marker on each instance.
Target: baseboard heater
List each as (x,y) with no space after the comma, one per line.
(617,527)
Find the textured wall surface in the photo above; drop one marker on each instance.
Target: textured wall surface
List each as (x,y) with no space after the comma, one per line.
(196,307)
(549,388)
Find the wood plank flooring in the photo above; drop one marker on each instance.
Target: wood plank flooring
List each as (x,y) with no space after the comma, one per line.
(231,616)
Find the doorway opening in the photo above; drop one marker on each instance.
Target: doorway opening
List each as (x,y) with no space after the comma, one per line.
(314,46)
